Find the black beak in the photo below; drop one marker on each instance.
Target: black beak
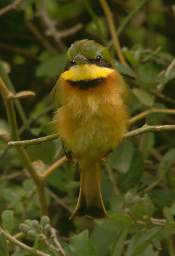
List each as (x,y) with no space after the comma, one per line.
(80,59)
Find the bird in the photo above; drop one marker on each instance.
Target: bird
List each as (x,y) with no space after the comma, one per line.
(92,118)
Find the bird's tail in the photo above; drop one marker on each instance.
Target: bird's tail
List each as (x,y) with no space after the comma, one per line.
(90,200)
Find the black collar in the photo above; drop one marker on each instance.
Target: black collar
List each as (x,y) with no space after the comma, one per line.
(86,84)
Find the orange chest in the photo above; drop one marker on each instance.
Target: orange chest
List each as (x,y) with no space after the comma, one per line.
(92,120)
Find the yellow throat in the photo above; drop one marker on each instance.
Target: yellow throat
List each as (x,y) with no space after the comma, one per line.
(86,72)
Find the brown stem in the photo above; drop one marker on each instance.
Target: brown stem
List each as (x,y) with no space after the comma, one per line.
(10,7)
(53,167)
(50,26)
(143,129)
(33,141)
(150,111)
(112,30)
(11,115)
(150,128)
(40,38)
(18,243)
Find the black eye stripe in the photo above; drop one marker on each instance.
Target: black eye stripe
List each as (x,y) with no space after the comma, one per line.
(99,61)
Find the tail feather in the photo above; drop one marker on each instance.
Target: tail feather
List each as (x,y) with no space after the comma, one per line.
(90,200)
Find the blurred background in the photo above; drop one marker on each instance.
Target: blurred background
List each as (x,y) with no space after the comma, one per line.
(138,179)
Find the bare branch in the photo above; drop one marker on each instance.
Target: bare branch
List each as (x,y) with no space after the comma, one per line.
(11,115)
(51,26)
(53,167)
(150,128)
(40,38)
(70,31)
(58,200)
(143,129)
(33,141)
(57,243)
(10,7)
(151,111)
(112,30)
(14,49)
(22,245)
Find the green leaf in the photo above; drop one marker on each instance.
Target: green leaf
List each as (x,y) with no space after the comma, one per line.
(39,151)
(148,142)
(4,250)
(97,27)
(121,158)
(142,208)
(124,70)
(47,248)
(64,10)
(130,57)
(119,246)
(120,220)
(8,220)
(147,74)
(141,241)
(162,197)
(109,231)
(144,97)
(51,65)
(167,160)
(134,174)
(81,245)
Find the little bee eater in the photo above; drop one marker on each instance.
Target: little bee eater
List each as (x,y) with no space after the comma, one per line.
(92,118)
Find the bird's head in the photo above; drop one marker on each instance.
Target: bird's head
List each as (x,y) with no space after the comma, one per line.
(87,60)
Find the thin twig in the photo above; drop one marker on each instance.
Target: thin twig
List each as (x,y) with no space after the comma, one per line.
(150,128)
(58,200)
(170,67)
(163,97)
(160,222)
(57,243)
(12,176)
(52,30)
(4,89)
(36,117)
(11,115)
(143,129)
(153,185)
(10,7)
(50,25)
(9,84)
(34,141)
(70,31)
(15,49)
(53,167)
(112,30)
(151,111)
(170,245)
(40,38)
(18,243)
